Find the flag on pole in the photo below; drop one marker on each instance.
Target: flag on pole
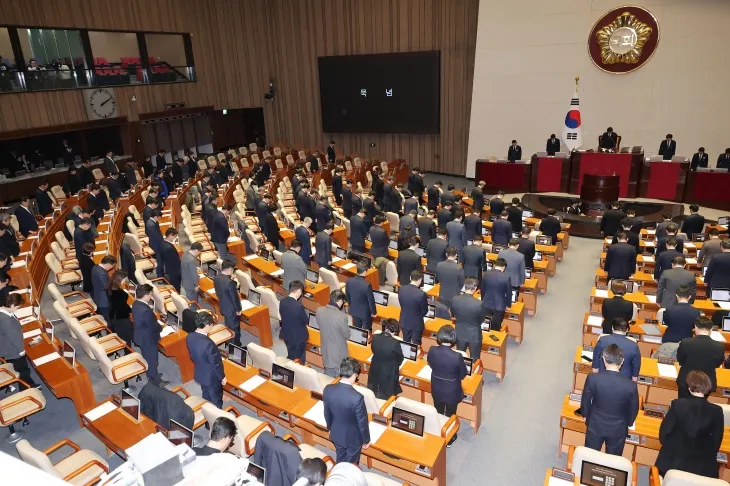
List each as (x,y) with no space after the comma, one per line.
(572,130)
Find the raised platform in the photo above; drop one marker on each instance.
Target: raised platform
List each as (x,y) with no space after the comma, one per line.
(589,226)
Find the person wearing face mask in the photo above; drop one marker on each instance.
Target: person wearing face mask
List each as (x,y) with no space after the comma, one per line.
(171,259)
(294,321)
(222,434)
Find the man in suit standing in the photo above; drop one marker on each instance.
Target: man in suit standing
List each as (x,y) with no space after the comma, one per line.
(502,229)
(151,205)
(294,320)
(359,295)
(358,231)
(514,215)
(553,145)
(346,414)
(444,214)
(130,175)
(456,233)
(152,230)
(680,317)
(667,148)
(357,198)
(632,238)
(694,223)
(710,247)
(302,234)
(413,307)
(611,220)
(220,232)
(450,276)
(616,307)
(550,226)
(473,225)
(379,239)
(147,332)
(115,189)
(701,353)
(293,265)
(95,203)
(496,290)
(628,346)
(73,183)
(723,160)
(67,152)
(700,159)
(416,185)
(610,404)
(207,362)
(664,260)
(322,213)
(83,234)
(436,250)
(347,198)
(426,228)
(620,258)
(406,219)
(160,161)
(337,186)
(674,278)
(434,196)
(527,247)
(100,283)
(469,313)
(334,330)
(43,200)
(109,165)
(228,298)
(171,259)
(331,152)
(408,261)
(26,220)
(87,177)
(718,271)
(306,206)
(448,195)
(496,204)
(475,258)
(609,140)
(515,263)
(661,228)
(671,232)
(371,209)
(477,196)
(189,272)
(388,188)
(323,246)
(514,152)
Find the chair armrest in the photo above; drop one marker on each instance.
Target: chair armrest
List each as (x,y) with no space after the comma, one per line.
(58,445)
(255,432)
(195,304)
(654,479)
(182,390)
(126,377)
(233,410)
(2,360)
(86,466)
(388,404)
(477,367)
(162,279)
(16,402)
(571,451)
(331,463)
(292,438)
(453,420)
(75,292)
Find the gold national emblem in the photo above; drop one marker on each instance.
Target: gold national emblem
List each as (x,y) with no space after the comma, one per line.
(622,40)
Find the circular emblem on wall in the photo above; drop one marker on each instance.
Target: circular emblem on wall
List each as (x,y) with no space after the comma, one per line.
(623,40)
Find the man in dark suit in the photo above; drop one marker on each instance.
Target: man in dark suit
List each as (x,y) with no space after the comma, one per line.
(496,290)
(477,196)
(611,220)
(82,234)
(710,247)
(694,223)
(95,203)
(371,209)
(160,161)
(359,295)
(67,152)
(306,206)
(661,227)
(346,198)
(553,145)
(700,159)
(379,238)
(473,225)
(718,271)
(527,247)
(502,229)
(609,139)
(700,353)
(667,148)
(616,307)
(444,215)
(152,204)
(115,189)
(631,237)
(153,232)
(496,204)
(220,232)
(723,160)
(457,234)
(130,175)
(170,258)
(26,219)
(73,183)
(357,198)
(207,362)
(228,298)
(43,200)
(550,226)
(331,151)
(322,213)
(672,279)
(294,320)
(436,250)
(413,307)
(514,152)
(87,177)
(100,282)
(448,195)
(663,260)
(610,404)
(416,186)
(301,233)
(635,222)
(323,246)
(388,189)
(358,231)
(671,232)
(406,219)
(346,415)
(109,165)
(427,228)
(434,196)
(337,186)
(680,317)
(514,215)
(450,276)
(147,332)
(408,261)
(628,346)
(475,258)
(469,314)
(620,258)
(403,197)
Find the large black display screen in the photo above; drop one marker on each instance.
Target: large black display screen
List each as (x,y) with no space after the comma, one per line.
(380,93)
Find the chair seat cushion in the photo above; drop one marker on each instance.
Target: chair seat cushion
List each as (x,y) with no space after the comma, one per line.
(145,265)
(64,278)
(21,404)
(92,324)
(4,377)
(127,366)
(110,341)
(310,452)
(378,480)
(78,460)
(220,334)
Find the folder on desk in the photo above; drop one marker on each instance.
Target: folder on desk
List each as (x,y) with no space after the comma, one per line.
(602,293)
(252,383)
(316,414)
(376,431)
(425,373)
(651,329)
(595,320)
(277,273)
(649,259)
(666,370)
(715,335)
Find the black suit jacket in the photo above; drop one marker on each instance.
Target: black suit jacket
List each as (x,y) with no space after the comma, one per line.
(171,260)
(443,217)
(611,221)
(26,221)
(433,197)
(160,162)
(227,294)
(323,215)
(44,203)
(359,295)
(610,403)
(435,253)
(294,321)
(302,234)
(219,231)
(383,377)
(380,241)
(469,313)
(477,196)
(413,307)
(496,290)
(86,176)
(514,153)
(514,216)
(552,146)
(474,260)
(699,160)
(448,369)
(346,415)
(472,225)
(699,353)
(550,226)
(408,261)
(426,230)
(667,150)
(81,237)
(115,190)
(527,248)
(679,319)
(146,328)
(152,230)
(323,248)
(206,358)
(371,209)
(496,206)
(501,231)
(723,161)
(620,261)
(663,261)
(609,140)
(358,231)
(693,224)
(632,239)
(346,201)
(662,244)
(614,307)
(718,271)
(270,228)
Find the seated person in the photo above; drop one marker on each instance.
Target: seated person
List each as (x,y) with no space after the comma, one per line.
(221,437)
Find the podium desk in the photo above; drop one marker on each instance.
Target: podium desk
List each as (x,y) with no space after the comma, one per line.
(626,166)
(596,188)
(709,189)
(118,431)
(663,180)
(550,174)
(504,176)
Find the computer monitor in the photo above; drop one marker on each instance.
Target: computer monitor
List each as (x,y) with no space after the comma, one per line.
(393,244)
(497,248)
(528,273)
(487,323)
(359,336)
(592,474)
(258,472)
(237,354)
(528,213)
(264,253)
(726,323)
(490,265)
(723,220)
(410,351)
(429,278)
(486,231)
(720,295)
(537,257)
(130,405)
(172,320)
(312,277)
(367,236)
(381,298)
(254,297)
(515,234)
(177,433)
(704,270)
(211,271)
(629,284)
(699,237)
(69,354)
(469,362)
(313,321)
(544,240)
(421,252)
(431,313)
(282,376)
(514,296)
(407,421)
(341,253)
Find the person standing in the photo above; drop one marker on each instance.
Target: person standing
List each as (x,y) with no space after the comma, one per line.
(147,332)
(473,225)
(450,276)
(680,317)
(628,346)
(119,308)
(12,343)
(189,280)
(383,377)
(611,220)
(379,239)
(323,246)
(358,231)
(475,258)
(663,261)
(553,145)
(515,263)
(496,290)
(672,279)
(710,247)
(208,365)
(615,307)
(496,204)
(43,200)
(294,320)
(469,314)
(331,152)
(220,232)
(416,185)
(26,220)
(434,196)
(694,223)
(514,152)
(109,165)
(292,265)
(718,271)
(527,247)
(360,298)
(334,331)
(448,369)
(477,196)
(668,147)
(501,229)
(550,226)
(100,283)
(436,250)
(700,159)
(302,234)
(170,258)
(152,230)
(701,353)
(620,259)
(346,415)
(86,264)
(457,235)
(408,261)
(228,298)
(413,308)
(723,160)
(371,209)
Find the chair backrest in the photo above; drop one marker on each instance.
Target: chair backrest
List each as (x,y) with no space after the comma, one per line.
(58,193)
(210,160)
(675,477)
(432,424)
(266,153)
(239,196)
(371,403)
(305,377)
(279,164)
(602,459)
(56,294)
(253,147)
(242,150)
(290,159)
(221,156)
(133,210)
(394,220)
(348,165)
(98,174)
(133,241)
(53,263)
(330,279)
(78,331)
(252,240)
(234,167)
(255,158)
(277,257)
(145,194)
(346,224)
(301,154)
(141,277)
(268,298)
(244,281)
(211,413)
(34,457)
(57,251)
(202,165)
(358,162)
(369,177)
(725,412)
(61,239)
(159,300)
(53,197)
(180,304)
(261,357)
(71,227)
(392,296)
(384,166)
(308,166)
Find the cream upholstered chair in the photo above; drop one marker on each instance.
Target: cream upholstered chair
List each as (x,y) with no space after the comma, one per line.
(91,325)
(307,451)
(121,369)
(372,404)
(78,307)
(279,164)
(576,456)
(68,263)
(202,165)
(234,167)
(58,193)
(674,477)
(248,428)
(196,403)
(391,277)
(111,342)
(394,221)
(392,297)
(64,243)
(330,279)
(434,423)
(82,467)
(19,406)
(253,147)
(346,224)
(255,158)
(384,166)
(253,241)
(211,161)
(309,379)
(277,151)
(221,157)
(70,226)
(61,276)
(289,159)
(301,155)
(268,298)
(243,150)
(277,257)
(348,165)
(135,244)
(245,283)
(262,358)
(266,153)
(7,373)
(378,480)
(98,174)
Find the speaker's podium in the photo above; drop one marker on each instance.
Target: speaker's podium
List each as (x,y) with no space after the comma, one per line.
(599,189)
(625,166)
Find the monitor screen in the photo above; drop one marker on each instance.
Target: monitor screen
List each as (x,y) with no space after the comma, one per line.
(381,298)
(282,376)
(258,472)
(421,251)
(723,220)
(515,234)
(130,404)
(490,265)
(431,311)
(69,354)
(410,351)
(486,231)
(469,362)
(211,271)
(177,433)
(254,297)
(627,283)
(497,248)
(720,295)
(528,273)
(726,324)
(595,475)
(514,296)
(487,323)
(172,319)
(264,253)
(380,93)
(429,279)
(407,421)
(312,276)
(544,240)
(537,257)
(699,237)
(341,253)
(527,213)
(359,336)
(237,354)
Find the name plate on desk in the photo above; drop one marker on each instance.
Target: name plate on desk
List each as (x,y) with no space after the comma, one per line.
(468,399)
(575,397)
(493,350)
(423,470)
(597,314)
(634,336)
(264,374)
(380,419)
(726,392)
(651,321)
(654,411)
(410,382)
(633,439)
(722,457)
(512,317)
(646,380)
(315,350)
(434,335)
(308,295)
(666,361)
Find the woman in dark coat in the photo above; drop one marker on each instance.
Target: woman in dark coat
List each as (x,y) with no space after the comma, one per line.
(448,368)
(387,357)
(120,309)
(691,432)
(86,263)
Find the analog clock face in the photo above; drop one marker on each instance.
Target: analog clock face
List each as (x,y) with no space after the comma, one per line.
(102,103)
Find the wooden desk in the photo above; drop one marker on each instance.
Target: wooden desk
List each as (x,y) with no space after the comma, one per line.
(118,431)
(647,303)
(345,274)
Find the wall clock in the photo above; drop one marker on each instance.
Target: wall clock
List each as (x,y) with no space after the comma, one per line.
(100,103)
